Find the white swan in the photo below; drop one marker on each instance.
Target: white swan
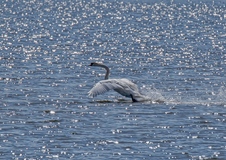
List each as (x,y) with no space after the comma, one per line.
(123,86)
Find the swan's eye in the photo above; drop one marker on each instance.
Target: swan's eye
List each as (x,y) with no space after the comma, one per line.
(91,64)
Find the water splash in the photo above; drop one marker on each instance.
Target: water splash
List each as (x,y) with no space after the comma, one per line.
(154,95)
(221,96)
(210,99)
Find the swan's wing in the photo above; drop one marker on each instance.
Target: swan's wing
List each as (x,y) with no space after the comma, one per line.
(104,86)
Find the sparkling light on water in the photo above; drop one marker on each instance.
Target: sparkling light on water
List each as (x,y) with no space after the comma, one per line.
(173,50)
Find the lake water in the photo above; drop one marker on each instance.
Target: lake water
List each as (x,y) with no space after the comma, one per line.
(173,50)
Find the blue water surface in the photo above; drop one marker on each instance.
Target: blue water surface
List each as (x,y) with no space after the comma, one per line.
(173,50)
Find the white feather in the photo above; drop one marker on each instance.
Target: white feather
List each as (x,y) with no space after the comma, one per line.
(122,86)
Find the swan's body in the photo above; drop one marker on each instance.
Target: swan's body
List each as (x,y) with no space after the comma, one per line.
(123,86)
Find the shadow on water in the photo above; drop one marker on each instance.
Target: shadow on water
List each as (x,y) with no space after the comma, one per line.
(112,101)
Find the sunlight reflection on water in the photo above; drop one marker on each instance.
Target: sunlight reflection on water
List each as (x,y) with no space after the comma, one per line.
(173,50)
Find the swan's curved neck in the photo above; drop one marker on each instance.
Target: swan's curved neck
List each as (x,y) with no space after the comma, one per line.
(105,67)
(107,71)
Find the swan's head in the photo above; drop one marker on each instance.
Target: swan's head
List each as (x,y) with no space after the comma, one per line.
(97,64)
(94,64)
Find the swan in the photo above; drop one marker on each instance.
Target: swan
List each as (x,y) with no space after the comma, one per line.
(123,86)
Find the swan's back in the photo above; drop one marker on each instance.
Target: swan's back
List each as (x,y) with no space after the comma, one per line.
(129,84)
